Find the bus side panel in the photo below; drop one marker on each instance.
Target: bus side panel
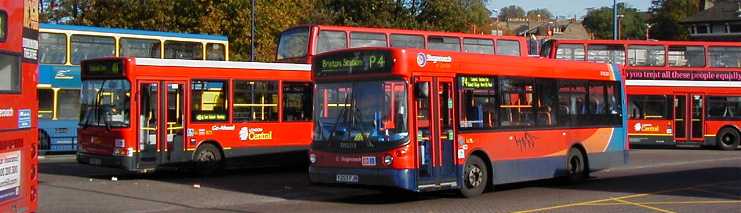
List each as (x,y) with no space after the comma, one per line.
(240,139)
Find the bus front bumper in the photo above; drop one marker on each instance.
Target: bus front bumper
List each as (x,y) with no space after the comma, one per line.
(399,178)
(122,162)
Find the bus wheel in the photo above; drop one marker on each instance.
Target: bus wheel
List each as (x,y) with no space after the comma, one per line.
(728,139)
(576,166)
(475,177)
(207,159)
(44,141)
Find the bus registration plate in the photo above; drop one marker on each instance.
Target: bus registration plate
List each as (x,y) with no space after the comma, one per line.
(347,178)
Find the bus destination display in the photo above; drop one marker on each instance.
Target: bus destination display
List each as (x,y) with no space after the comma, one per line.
(102,68)
(345,63)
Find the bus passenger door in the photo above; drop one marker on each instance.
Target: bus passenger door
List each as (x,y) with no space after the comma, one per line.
(435,135)
(148,124)
(681,126)
(174,122)
(697,119)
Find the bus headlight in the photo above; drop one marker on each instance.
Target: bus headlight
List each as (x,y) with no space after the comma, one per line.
(388,160)
(312,158)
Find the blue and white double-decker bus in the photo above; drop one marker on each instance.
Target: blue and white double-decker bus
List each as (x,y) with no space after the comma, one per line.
(62,47)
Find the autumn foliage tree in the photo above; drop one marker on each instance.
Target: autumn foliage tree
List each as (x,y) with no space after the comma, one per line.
(232,17)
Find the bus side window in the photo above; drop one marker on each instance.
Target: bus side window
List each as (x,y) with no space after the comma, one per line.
(508,47)
(215,52)
(255,100)
(410,41)
(572,96)
(330,40)
(444,43)
(183,50)
(140,48)
(361,39)
(87,47)
(209,100)
(483,46)
(297,101)
(570,52)
(52,48)
(478,99)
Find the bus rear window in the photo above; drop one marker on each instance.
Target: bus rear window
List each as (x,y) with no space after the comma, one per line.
(686,56)
(215,52)
(293,43)
(358,39)
(443,43)
(643,55)
(483,46)
(725,56)
(508,47)
(10,79)
(183,50)
(330,40)
(570,52)
(87,47)
(52,48)
(410,41)
(140,48)
(606,54)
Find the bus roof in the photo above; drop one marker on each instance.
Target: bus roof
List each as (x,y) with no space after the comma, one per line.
(409,62)
(405,31)
(221,64)
(648,42)
(132,32)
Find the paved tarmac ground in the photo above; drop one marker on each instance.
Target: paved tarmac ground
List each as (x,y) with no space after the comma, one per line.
(656,180)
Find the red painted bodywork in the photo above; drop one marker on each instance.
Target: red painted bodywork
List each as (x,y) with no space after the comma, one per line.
(22,22)
(314,35)
(296,134)
(710,127)
(499,145)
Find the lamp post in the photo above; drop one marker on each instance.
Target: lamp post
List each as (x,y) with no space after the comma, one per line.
(614,20)
(648,30)
(619,26)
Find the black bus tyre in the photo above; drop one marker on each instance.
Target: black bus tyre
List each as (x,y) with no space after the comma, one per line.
(475,177)
(728,139)
(576,166)
(44,141)
(207,159)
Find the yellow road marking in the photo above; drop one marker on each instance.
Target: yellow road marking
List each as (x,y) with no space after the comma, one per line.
(644,206)
(670,203)
(620,198)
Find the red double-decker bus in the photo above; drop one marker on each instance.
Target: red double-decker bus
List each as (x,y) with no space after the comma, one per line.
(430,120)
(140,114)
(679,92)
(19,27)
(300,44)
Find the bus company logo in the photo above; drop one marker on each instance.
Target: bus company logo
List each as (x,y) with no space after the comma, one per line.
(638,127)
(421,59)
(63,75)
(348,159)
(223,128)
(254,134)
(7,113)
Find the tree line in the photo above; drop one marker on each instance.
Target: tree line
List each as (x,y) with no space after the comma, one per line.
(233,17)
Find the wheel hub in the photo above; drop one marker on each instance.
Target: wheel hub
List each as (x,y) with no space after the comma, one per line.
(474,176)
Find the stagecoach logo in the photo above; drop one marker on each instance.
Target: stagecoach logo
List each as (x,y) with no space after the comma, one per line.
(6,113)
(422,59)
(254,134)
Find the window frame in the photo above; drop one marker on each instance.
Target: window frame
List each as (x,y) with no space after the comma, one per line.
(121,46)
(282,109)
(227,97)
(278,104)
(4,28)
(72,43)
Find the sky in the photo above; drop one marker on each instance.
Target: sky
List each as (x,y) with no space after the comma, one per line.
(567,8)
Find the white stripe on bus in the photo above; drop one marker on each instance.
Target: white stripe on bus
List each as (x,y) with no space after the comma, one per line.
(676,83)
(221,64)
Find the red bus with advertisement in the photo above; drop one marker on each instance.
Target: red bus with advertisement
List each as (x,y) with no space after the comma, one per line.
(679,92)
(19,26)
(301,43)
(430,120)
(140,114)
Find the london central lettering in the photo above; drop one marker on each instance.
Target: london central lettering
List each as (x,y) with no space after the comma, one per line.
(683,75)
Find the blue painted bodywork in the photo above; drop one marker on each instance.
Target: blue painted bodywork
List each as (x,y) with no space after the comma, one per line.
(133,32)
